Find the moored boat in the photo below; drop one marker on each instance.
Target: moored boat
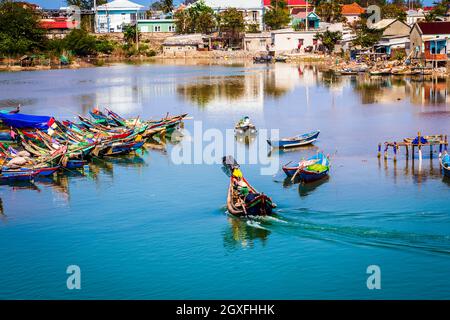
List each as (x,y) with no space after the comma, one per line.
(296,141)
(312,169)
(245,127)
(445,164)
(21,120)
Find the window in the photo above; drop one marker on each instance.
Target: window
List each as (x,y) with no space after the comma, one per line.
(157,28)
(132,16)
(255,15)
(262,43)
(171,28)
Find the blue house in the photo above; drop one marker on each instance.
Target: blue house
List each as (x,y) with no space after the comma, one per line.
(114,15)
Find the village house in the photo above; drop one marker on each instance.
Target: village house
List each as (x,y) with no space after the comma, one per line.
(252,10)
(309,21)
(114,15)
(156,25)
(395,35)
(429,41)
(291,41)
(257,41)
(57,28)
(413,16)
(294,6)
(351,12)
(182,44)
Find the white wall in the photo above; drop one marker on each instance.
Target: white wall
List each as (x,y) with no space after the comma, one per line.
(288,41)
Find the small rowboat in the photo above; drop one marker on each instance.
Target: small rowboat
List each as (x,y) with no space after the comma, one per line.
(445,164)
(315,168)
(243,200)
(43,171)
(20,120)
(17,175)
(245,127)
(297,141)
(262,59)
(75,164)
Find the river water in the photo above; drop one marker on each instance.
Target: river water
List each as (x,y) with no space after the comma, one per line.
(145,227)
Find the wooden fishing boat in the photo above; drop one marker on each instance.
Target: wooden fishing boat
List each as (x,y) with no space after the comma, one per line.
(16,175)
(445,164)
(75,164)
(380,72)
(262,59)
(21,120)
(312,169)
(245,127)
(296,141)
(243,200)
(348,72)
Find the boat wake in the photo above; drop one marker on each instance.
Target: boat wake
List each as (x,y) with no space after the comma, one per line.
(352,235)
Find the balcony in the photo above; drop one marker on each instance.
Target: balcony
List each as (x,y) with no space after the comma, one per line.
(435,56)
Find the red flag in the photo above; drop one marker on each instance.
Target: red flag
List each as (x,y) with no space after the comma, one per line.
(51,122)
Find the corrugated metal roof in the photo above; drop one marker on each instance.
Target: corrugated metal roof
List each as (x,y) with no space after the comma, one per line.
(434,27)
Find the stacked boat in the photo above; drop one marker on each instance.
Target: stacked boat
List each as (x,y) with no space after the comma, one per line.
(44,145)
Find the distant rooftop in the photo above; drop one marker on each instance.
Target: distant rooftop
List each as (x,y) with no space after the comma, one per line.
(352,9)
(434,27)
(121,5)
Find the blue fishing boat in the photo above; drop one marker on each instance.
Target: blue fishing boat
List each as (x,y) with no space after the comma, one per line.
(75,164)
(297,141)
(312,169)
(21,120)
(445,164)
(27,173)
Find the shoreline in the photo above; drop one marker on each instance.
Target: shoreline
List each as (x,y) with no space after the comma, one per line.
(206,57)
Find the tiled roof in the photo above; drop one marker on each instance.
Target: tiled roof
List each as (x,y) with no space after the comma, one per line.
(352,9)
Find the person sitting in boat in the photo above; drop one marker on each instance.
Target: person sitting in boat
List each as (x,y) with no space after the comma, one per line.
(239,183)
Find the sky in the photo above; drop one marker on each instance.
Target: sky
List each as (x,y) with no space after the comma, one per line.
(54,4)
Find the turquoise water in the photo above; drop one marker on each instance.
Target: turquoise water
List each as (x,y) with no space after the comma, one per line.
(142,227)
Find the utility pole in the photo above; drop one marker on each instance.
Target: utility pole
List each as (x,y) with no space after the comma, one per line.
(95,16)
(137,32)
(306,16)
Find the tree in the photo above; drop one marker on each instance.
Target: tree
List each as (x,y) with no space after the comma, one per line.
(129,34)
(393,11)
(232,21)
(439,10)
(80,42)
(196,18)
(165,6)
(365,36)
(330,11)
(329,39)
(278,16)
(20,30)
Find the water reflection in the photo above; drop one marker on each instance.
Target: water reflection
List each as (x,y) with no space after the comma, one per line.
(250,89)
(240,234)
(387,90)
(60,182)
(418,171)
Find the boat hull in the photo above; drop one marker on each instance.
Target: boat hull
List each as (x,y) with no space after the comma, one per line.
(294,142)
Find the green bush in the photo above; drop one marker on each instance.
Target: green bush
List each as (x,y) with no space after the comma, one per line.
(80,42)
(104,46)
